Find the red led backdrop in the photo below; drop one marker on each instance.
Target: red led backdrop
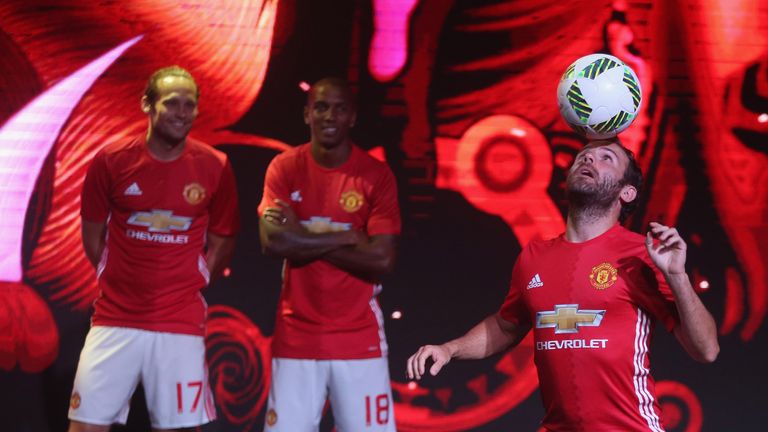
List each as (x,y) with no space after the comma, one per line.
(458,97)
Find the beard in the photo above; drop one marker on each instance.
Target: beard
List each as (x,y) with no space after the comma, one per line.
(592,199)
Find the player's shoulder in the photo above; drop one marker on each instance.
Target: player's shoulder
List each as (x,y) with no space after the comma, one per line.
(121,150)
(369,164)
(538,245)
(122,146)
(293,155)
(537,250)
(200,149)
(626,237)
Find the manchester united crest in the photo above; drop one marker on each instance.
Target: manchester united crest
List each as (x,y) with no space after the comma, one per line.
(603,276)
(74,401)
(271,417)
(351,201)
(194,193)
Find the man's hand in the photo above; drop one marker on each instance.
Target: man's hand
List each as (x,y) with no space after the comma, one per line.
(440,355)
(282,215)
(282,234)
(670,251)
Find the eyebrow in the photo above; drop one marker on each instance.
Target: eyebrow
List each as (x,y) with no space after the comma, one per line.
(332,103)
(610,150)
(606,148)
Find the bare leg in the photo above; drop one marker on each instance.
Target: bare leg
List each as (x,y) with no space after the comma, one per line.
(76,426)
(192,429)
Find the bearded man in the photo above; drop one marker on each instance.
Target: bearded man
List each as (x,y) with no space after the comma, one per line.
(591,297)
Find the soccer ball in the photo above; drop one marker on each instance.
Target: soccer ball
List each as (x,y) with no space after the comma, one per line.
(599,96)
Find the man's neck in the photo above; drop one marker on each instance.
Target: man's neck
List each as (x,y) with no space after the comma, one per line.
(586,224)
(332,157)
(162,149)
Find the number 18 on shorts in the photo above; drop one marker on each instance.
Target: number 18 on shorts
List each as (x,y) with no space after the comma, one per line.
(359,393)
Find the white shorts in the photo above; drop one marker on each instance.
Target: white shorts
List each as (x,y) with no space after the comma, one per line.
(170,366)
(359,391)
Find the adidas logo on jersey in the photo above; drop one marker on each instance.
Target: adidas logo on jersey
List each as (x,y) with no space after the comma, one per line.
(535,282)
(133,189)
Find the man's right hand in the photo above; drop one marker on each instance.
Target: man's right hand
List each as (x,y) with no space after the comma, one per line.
(440,355)
(282,215)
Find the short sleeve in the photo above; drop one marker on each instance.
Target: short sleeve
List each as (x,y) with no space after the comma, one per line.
(224,219)
(276,184)
(385,209)
(652,293)
(94,199)
(514,309)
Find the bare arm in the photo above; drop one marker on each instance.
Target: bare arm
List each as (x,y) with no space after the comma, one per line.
(370,258)
(492,335)
(219,252)
(281,234)
(94,236)
(697,332)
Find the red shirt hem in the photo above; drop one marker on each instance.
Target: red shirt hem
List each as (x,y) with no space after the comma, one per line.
(156,327)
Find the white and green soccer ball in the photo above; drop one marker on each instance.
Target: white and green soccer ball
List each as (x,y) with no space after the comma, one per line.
(599,96)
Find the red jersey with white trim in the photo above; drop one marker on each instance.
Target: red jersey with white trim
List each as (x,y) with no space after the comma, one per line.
(324,312)
(157,215)
(592,308)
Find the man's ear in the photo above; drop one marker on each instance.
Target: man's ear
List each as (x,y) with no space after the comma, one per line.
(306,114)
(146,107)
(628,194)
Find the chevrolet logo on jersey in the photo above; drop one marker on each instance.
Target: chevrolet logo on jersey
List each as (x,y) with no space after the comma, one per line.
(320,225)
(160,221)
(568,318)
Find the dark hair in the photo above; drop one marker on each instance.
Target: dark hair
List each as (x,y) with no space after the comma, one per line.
(339,83)
(151,90)
(633,176)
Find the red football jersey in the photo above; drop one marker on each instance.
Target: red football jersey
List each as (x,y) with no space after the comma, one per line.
(324,312)
(592,308)
(157,215)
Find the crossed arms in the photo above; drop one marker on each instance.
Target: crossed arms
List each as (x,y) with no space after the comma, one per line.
(367,257)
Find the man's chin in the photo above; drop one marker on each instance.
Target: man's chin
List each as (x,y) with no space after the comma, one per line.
(329,143)
(581,188)
(174,139)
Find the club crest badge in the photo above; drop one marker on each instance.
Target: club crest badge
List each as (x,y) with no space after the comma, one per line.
(74,401)
(194,193)
(603,276)
(351,201)
(271,417)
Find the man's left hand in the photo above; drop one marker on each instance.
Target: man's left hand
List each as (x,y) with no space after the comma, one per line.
(668,254)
